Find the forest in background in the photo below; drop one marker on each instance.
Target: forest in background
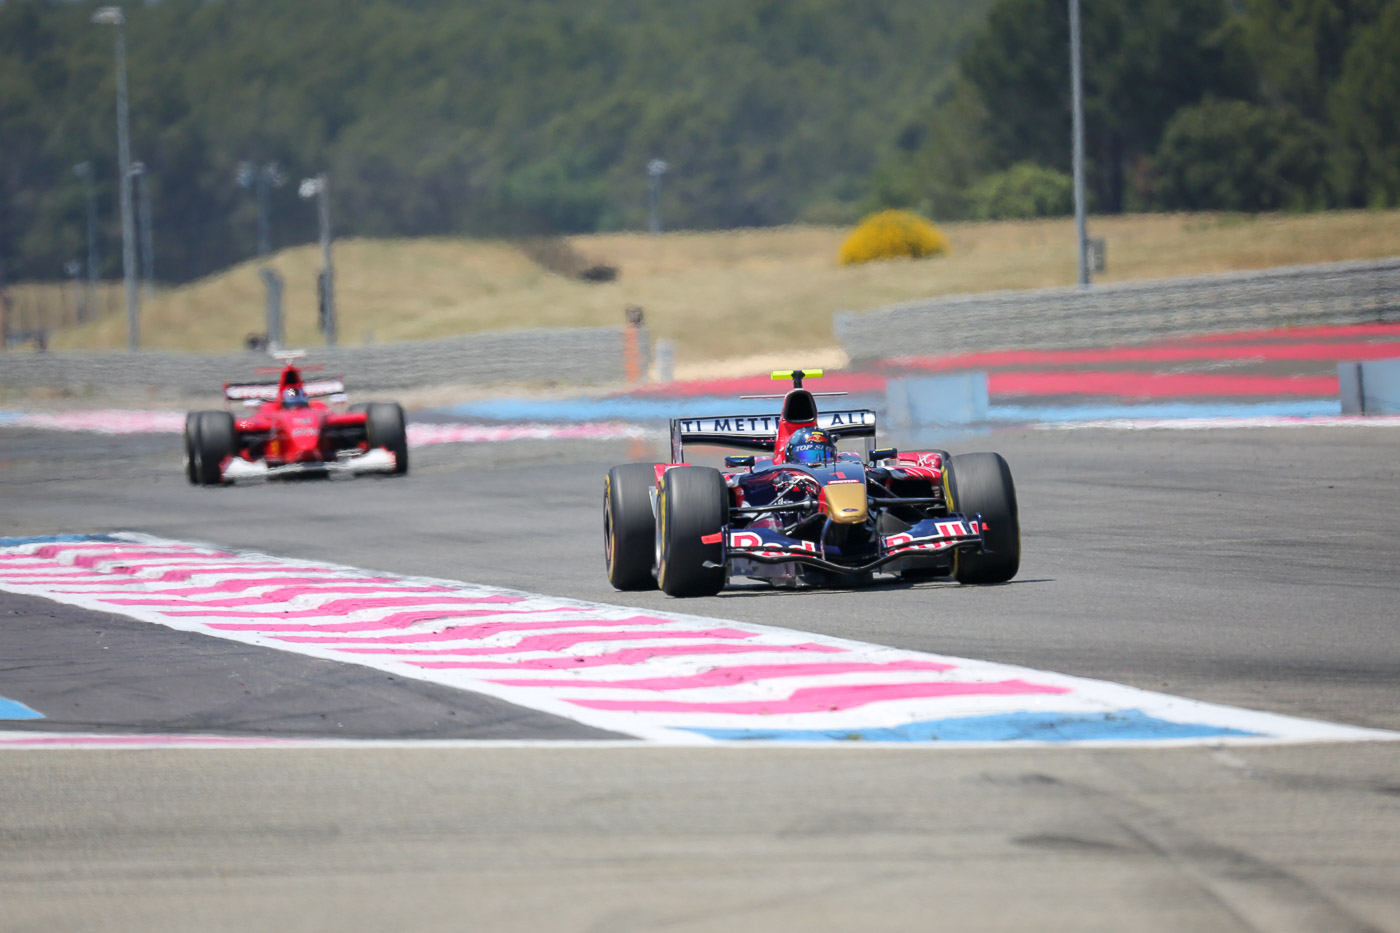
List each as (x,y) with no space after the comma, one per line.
(510,118)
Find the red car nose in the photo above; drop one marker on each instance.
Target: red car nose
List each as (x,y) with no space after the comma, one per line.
(304,432)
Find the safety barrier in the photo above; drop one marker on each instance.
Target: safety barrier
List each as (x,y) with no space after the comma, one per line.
(555,356)
(1126,312)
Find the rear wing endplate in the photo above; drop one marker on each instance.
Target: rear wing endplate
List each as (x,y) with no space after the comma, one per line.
(758,432)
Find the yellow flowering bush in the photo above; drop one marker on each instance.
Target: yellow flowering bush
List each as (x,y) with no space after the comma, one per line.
(891,234)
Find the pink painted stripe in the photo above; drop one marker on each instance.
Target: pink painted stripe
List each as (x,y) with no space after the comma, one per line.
(183,574)
(128,557)
(346,606)
(423,434)
(115,574)
(727,676)
(50,551)
(394,621)
(248,583)
(827,699)
(126,577)
(471,632)
(627,656)
(278,596)
(1156,385)
(558,642)
(1332,352)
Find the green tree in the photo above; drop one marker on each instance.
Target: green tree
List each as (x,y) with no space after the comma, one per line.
(1142,62)
(1364,105)
(1234,156)
(1022,191)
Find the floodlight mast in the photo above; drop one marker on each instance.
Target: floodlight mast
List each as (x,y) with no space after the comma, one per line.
(319,188)
(655,169)
(113,16)
(1077,98)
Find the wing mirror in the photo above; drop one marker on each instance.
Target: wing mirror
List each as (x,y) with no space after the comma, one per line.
(738,461)
(883,453)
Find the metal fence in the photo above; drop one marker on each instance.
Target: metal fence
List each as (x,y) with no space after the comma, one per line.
(557,356)
(1126,312)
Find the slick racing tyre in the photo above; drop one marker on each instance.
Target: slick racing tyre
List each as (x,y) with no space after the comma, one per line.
(214,442)
(191,445)
(982,483)
(384,427)
(692,505)
(629,528)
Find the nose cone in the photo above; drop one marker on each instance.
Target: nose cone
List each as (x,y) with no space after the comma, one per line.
(304,440)
(846,503)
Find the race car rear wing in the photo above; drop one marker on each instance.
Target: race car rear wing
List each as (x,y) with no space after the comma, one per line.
(759,432)
(267,391)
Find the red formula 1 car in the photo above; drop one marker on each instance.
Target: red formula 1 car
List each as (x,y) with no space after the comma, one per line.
(807,513)
(293,431)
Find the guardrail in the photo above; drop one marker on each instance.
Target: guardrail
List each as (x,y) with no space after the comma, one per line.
(552,356)
(1126,312)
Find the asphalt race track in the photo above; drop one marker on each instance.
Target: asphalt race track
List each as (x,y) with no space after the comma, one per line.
(1254,568)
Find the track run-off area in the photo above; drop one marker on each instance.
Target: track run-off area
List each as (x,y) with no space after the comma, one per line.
(416,704)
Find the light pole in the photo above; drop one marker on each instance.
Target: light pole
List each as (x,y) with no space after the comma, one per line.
(655,169)
(84,171)
(148,256)
(259,177)
(319,188)
(1077,95)
(113,16)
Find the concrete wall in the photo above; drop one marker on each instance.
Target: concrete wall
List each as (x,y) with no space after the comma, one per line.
(561,356)
(1127,312)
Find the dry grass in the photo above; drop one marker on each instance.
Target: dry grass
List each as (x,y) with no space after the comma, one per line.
(718,295)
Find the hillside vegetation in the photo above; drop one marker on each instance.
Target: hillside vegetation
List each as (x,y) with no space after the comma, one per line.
(718,295)
(503,118)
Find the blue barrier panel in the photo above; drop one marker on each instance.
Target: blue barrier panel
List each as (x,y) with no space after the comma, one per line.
(1371,388)
(916,407)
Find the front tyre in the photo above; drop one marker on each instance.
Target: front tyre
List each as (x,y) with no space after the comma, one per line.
(692,505)
(982,483)
(216,441)
(384,427)
(629,528)
(192,447)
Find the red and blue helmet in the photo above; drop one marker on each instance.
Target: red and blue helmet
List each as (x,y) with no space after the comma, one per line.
(294,397)
(810,445)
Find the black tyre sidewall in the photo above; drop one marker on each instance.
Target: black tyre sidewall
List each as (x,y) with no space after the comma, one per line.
(385,427)
(216,440)
(981,483)
(192,447)
(693,503)
(629,528)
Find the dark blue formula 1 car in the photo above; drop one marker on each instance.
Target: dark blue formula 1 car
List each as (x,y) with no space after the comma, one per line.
(803,512)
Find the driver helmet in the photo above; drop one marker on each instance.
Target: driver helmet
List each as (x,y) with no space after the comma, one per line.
(293,397)
(810,445)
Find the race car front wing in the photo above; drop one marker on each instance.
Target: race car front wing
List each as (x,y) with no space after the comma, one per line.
(377,460)
(928,537)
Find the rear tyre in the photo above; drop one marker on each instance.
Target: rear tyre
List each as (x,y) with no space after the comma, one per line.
(384,427)
(214,443)
(692,504)
(629,528)
(191,447)
(982,483)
